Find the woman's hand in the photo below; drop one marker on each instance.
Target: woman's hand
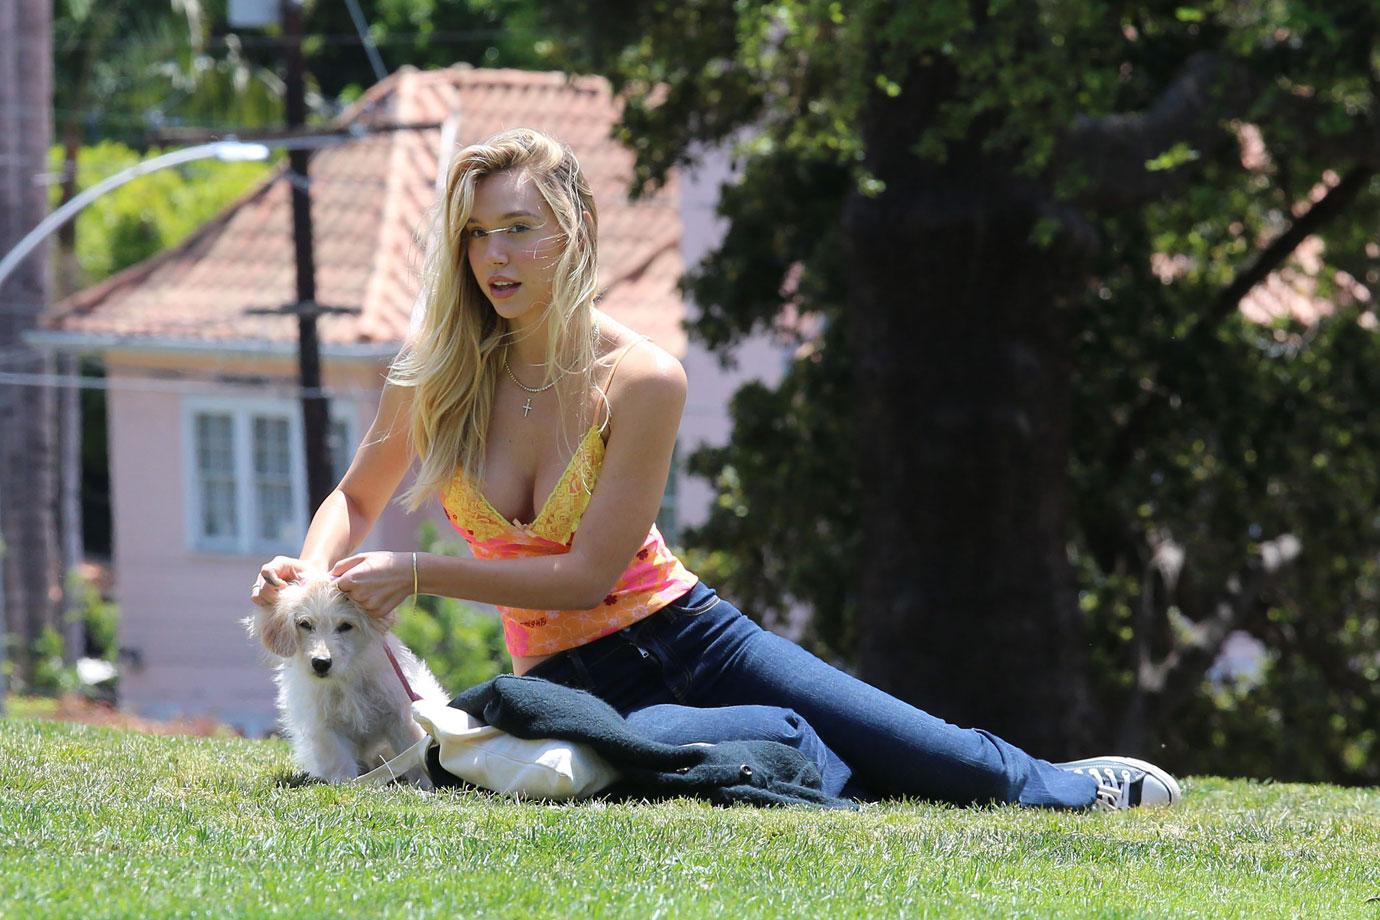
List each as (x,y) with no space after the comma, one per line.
(377,582)
(277,573)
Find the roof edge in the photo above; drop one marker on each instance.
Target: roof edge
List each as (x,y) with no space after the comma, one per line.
(80,303)
(371,97)
(59,341)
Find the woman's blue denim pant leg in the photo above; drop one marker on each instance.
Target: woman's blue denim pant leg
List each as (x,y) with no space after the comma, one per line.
(698,670)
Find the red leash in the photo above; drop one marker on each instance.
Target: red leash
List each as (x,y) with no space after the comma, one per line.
(398,670)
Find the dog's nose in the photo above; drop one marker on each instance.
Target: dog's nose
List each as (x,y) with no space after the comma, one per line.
(321,665)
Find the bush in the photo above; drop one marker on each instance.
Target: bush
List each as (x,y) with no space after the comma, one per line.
(52,677)
(460,642)
(100,619)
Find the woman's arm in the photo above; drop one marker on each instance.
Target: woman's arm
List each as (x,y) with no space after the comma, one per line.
(347,515)
(647,400)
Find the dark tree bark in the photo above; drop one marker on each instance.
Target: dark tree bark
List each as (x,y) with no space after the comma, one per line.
(27,479)
(959,331)
(963,375)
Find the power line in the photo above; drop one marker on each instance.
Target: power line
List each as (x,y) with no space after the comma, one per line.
(217,386)
(141,377)
(144,118)
(333,181)
(208,167)
(213,370)
(241,40)
(97,111)
(20,356)
(183,386)
(370,48)
(91,174)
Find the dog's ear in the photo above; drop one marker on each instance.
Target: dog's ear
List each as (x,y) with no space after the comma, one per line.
(388,620)
(381,624)
(378,625)
(276,629)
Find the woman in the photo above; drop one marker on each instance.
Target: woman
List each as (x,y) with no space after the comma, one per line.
(547,428)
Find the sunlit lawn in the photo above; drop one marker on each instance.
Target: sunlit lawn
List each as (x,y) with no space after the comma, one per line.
(98,822)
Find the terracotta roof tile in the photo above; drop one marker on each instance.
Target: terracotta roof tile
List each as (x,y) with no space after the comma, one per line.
(370,200)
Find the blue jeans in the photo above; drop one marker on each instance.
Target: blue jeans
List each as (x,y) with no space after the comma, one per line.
(699,670)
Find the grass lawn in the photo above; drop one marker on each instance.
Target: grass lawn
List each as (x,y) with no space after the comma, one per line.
(99,822)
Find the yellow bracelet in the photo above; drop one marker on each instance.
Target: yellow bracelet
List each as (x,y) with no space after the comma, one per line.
(414,576)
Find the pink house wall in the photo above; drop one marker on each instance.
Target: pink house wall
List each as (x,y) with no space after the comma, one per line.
(706,418)
(181,607)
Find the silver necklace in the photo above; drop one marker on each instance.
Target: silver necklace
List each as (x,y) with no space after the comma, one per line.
(527,406)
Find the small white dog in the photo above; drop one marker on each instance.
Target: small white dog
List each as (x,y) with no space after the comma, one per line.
(341,703)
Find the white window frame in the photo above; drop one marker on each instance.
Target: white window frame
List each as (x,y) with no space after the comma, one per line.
(242,413)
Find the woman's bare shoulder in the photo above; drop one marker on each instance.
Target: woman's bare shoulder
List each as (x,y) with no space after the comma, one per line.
(642,370)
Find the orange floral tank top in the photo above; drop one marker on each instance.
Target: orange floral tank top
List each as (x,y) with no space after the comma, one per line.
(654,576)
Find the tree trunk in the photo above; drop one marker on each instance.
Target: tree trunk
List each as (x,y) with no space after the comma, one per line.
(966,601)
(28,526)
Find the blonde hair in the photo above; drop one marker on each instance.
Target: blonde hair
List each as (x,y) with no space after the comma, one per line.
(454,359)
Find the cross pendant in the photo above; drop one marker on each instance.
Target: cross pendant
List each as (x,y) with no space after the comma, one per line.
(527,407)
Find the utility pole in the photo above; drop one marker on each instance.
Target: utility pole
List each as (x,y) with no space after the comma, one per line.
(315,411)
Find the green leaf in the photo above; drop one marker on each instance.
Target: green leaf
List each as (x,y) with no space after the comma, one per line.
(1176,156)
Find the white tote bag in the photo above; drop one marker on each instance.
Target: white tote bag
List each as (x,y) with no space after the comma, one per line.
(493,759)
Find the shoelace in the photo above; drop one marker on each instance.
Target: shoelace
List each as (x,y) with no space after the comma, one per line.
(1113,788)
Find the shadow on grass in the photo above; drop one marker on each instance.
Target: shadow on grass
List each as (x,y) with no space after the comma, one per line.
(295,779)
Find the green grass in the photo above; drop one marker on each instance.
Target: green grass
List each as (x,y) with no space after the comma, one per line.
(96,822)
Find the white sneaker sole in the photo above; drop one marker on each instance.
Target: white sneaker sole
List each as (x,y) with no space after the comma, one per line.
(1150,770)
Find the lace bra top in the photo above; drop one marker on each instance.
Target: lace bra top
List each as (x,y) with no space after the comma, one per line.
(653,578)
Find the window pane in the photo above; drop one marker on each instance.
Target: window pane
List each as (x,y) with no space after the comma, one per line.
(215,475)
(218,508)
(215,444)
(275,512)
(272,453)
(273,482)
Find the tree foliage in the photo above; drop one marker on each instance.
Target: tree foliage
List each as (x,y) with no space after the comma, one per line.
(145,217)
(461,643)
(1220,469)
(126,69)
(424,34)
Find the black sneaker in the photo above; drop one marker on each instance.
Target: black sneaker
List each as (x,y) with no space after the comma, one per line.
(1124,782)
